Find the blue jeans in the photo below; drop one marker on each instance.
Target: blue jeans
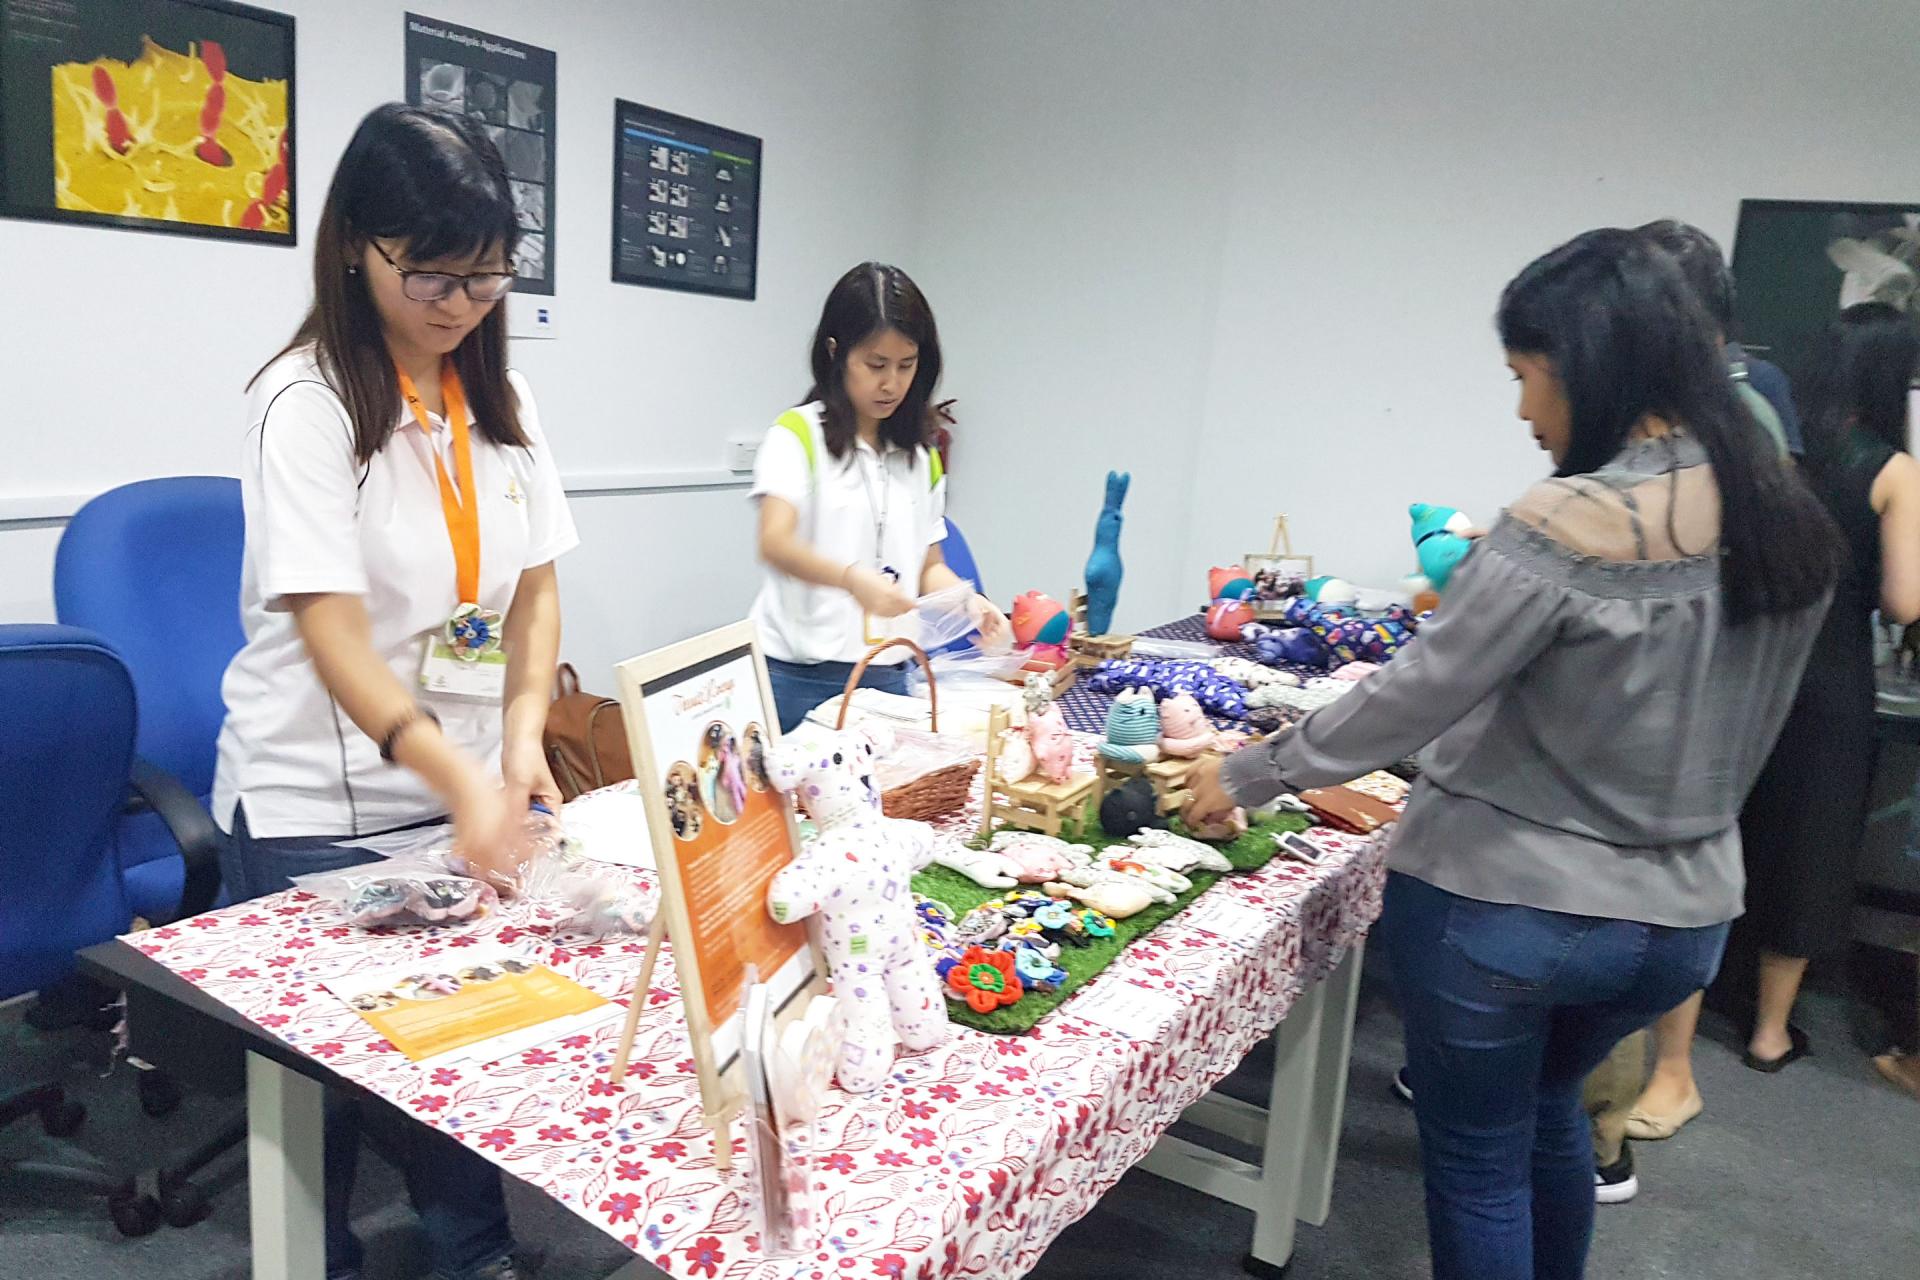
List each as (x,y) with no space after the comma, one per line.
(458,1195)
(799,688)
(1507,1010)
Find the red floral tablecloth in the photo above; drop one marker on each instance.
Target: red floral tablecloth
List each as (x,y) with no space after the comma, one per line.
(969,1162)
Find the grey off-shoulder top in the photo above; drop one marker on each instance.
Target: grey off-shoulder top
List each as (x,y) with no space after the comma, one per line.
(1588,721)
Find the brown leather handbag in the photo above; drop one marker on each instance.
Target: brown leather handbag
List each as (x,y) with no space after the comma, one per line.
(1348,810)
(586,738)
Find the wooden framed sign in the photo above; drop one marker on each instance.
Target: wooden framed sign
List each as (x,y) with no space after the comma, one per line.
(700,717)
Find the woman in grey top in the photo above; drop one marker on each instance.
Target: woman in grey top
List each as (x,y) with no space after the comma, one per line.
(1594,699)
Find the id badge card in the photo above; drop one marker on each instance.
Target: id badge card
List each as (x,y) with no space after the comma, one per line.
(880,630)
(465,660)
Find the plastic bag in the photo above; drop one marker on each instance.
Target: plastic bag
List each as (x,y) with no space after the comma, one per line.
(402,890)
(915,753)
(950,614)
(600,901)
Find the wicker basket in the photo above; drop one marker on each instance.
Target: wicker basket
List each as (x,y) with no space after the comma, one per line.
(932,795)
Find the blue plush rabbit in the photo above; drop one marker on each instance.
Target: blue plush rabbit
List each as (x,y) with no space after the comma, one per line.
(1103,566)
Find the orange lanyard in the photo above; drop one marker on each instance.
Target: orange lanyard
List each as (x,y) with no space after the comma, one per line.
(463,517)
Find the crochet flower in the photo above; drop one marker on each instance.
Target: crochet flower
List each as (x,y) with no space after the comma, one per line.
(1096,924)
(986,980)
(1055,915)
(1036,970)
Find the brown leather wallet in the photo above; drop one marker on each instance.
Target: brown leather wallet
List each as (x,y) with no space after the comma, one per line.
(1349,810)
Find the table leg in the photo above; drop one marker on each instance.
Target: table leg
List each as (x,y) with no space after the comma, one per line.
(1290,1125)
(1330,1088)
(285,1162)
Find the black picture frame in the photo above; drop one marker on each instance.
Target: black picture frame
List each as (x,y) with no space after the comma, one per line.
(137,18)
(1787,291)
(500,59)
(677,131)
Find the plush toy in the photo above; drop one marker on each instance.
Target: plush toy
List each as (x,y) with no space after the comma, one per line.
(1226,617)
(1014,760)
(1246,672)
(984,867)
(1184,730)
(1129,808)
(1133,728)
(1336,591)
(1103,566)
(1037,858)
(1047,732)
(1039,619)
(1177,853)
(1116,899)
(1439,541)
(1087,877)
(1127,864)
(1229,583)
(1356,671)
(854,876)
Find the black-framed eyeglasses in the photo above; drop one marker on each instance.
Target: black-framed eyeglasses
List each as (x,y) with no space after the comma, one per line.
(438,286)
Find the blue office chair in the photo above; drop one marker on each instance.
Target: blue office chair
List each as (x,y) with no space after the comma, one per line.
(154,567)
(959,556)
(66,746)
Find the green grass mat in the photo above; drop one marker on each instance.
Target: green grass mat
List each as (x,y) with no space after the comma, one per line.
(1249,852)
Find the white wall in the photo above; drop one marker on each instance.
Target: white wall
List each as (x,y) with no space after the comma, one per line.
(124,354)
(1282,229)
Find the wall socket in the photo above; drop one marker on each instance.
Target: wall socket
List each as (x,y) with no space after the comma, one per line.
(741,454)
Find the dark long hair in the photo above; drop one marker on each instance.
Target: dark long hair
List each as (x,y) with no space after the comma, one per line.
(1627,338)
(434,181)
(1698,256)
(867,301)
(1859,379)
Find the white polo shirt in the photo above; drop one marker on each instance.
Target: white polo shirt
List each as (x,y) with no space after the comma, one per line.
(318,520)
(843,504)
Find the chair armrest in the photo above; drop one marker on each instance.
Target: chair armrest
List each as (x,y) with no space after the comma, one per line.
(192,828)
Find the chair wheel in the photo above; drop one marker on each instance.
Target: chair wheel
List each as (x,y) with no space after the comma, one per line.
(182,1204)
(63,1119)
(159,1095)
(133,1215)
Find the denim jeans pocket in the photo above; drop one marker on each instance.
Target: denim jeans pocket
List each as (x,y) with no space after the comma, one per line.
(1515,948)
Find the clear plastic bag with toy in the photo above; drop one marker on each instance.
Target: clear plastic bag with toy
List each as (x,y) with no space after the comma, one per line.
(950,614)
(413,888)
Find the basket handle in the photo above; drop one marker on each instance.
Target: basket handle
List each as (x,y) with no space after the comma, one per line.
(860,669)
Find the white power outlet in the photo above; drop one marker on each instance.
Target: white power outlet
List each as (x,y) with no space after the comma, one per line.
(741,454)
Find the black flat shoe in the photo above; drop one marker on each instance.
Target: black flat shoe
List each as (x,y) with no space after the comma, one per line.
(1801,1048)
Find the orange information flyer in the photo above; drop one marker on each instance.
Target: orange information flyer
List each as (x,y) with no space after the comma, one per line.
(729,827)
(486,1004)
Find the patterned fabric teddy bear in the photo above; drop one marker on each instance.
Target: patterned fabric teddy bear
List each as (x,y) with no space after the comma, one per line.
(854,877)
(1047,732)
(1185,731)
(1133,728)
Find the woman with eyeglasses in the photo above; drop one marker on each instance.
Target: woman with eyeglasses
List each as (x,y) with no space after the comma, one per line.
(401,609)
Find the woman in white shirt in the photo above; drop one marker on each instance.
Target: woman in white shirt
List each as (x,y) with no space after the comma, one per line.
(852,498)
(402,614)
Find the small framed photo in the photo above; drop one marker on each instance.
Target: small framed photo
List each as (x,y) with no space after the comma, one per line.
(1277,577)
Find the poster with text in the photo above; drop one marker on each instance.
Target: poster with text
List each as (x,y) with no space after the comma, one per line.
(153,115)
(508,87)
(686,203)
(707,726)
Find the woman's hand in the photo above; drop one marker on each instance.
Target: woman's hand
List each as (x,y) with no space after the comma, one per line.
(488,835)
(527,776)
(994,629)
(1209,801)
(878,594)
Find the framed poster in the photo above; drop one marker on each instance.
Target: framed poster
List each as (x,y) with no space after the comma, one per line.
(1799,263)
(151,115)
(686,203)
(508,87)
(700,717)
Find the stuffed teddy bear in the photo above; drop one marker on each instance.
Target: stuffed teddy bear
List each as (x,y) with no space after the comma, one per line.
(1133,728)
(1047,732)
(853,876)
(1185,732)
